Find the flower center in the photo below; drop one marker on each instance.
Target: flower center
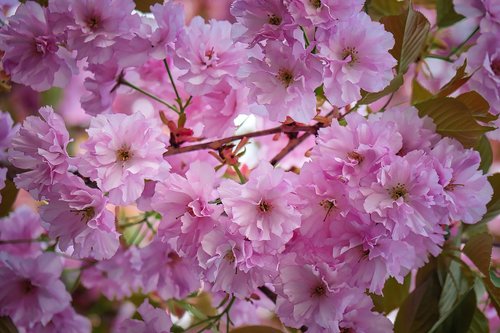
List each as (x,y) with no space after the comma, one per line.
(350,52)
(495,66)
(93,22)
(27,286)
(174,257)
(44,44)
(319,290)
(315,3)
(451,186)
(265,206)
(355,157)
(86,214)
(285,76)
(123,154)
(229,256)
(346,330)
(274,20)
(328,205)
(398,191)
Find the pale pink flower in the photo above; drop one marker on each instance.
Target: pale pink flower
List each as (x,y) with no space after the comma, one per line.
(417,133)
(163,271)
(76,215)
(308,295)
(154,320)
(39,147)
(7,132)
(117,277)
(121,153)
(283,82)
(323,13)
(230,264)
(407,189)
(96,30)
(355,151)
(466,190)
(208,54)
(33,53)
(169,17)
(357,56)
(187,205)
(264,208)
(66,321)
(484,61)
(260,20)
(21,224)
(101,87)
(30,289)
(217,110)
(358,316)
(366,255)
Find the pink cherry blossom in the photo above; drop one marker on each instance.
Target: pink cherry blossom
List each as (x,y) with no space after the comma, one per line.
(260,20)
(21,224)
(230,264)
(208,55)
(121,153)
(96,31)
(323,13)
(30,289)
(187,205)
(484,59)
(466,190)
(7,132)
(417,133)
(165,272)
(357,56)
(66,321)
(155,320)
(39,147)
(117,277)
(77,216)
(264,208)
(283,82)
(34,55)
(170,19)
(407,189)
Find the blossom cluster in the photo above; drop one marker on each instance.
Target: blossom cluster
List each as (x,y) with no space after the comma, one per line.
(378,194)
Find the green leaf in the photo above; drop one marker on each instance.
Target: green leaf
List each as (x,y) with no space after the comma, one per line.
(420,310)
(255,328)
(446,14)
(459,319)
(379,8)
(392,87)
(478,249)
(419,93)
(7,326)
(479,323)
(453,119)
(478,106)
(458,80)
(493,207)
(494,278)
(393,293)
(486,153)
(455,287)
(410,31)
(493,293)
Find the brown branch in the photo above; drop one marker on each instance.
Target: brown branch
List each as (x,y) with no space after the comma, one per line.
(216,144)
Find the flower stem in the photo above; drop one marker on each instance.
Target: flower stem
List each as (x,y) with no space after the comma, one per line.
(243,180)
(150,95)
(178,99)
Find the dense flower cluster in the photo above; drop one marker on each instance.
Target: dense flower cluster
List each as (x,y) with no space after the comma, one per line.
(376,197)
